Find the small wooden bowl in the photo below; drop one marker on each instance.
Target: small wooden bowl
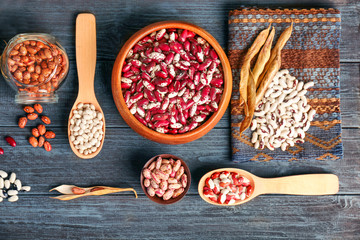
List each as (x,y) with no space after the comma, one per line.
(144,130)
(171,200)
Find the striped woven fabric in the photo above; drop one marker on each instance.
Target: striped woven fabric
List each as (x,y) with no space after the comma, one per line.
(311,54)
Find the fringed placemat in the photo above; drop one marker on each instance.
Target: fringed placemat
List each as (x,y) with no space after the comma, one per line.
(311,54)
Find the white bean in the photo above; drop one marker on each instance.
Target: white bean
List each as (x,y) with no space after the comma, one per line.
(254,137)
(284,146)
(18,184)
(12,177)
(12,192)
(26,188)
(299,86)
(80,106)
(257,144)
(311,114)
(13,198)
(260,113)
(308,85)
(302,92)
(268,92)
(3,174)
(7,184)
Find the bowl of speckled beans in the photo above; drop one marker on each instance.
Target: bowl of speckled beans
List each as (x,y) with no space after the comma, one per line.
(171,82)
(165,179)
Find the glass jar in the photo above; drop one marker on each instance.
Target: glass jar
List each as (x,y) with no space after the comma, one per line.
(35,65)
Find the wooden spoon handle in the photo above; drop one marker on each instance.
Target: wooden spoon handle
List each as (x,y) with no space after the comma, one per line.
(86,54)
(309,184)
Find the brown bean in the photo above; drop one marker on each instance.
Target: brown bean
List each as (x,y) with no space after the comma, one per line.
(18,75)
(32,43)
(13,68)
(38,108)
(23,50)
(42,54)
(32,57)
(22,69)
(11,62)
(16,58)
(63,62)
(13,52)
(46,119)
(31,50)
(26,81)
(43,65)
(41,78)
(34,76)
(26,75)
(42,129)
(51,65)
(32,116)
(39,44)
(35,132)
(38,69)
(41,141)
(62,73)
(31,68)
(49,134)
(47,53)
(33,141)
(38,59)
(28,109)
(47,146)
(18,46)
(46,72)
(25,59)
(55,52)
(77,190)
(27,42)
(22,122)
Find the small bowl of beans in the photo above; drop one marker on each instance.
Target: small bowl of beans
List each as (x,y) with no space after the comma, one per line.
(35,65)
(172,82)
(165,179)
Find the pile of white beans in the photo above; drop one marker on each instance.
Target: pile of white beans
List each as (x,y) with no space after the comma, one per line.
(86,127)
(10,187)
(283,115)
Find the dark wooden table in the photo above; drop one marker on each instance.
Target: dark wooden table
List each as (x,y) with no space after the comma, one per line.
(121,216)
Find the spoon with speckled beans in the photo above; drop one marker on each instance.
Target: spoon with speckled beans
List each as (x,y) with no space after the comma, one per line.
(86,61)
(307,184)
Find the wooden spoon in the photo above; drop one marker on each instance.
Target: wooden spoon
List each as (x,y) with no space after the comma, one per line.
(307,184)
(86,62)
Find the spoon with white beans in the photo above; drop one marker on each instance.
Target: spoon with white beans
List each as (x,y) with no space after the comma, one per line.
(86,127)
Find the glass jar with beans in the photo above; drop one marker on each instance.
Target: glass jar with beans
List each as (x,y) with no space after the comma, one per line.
(35,65)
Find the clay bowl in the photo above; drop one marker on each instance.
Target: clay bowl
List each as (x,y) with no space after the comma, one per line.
(171,200)
(144,130)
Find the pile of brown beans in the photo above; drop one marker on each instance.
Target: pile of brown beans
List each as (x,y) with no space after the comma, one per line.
(172,81)
(40,135)
(33,62)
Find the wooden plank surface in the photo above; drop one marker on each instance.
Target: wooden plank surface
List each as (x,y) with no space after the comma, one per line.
(121,216)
